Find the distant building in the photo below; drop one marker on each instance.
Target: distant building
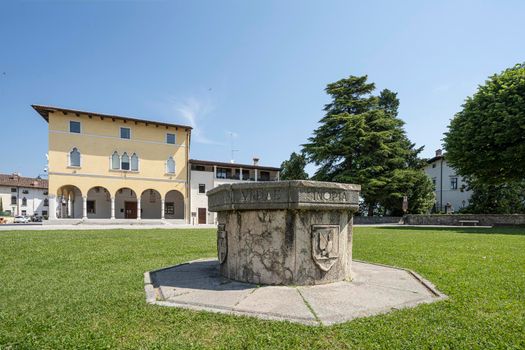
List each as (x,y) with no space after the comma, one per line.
(205,175)
(450,189)
(24,195)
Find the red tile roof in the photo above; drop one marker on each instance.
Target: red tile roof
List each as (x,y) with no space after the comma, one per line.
(45,110)
(15,180)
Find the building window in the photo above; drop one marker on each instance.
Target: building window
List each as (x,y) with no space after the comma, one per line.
(24,201)
(13,189)
(170,166)
(200,168)
(433,165)
(44,212)
(124,162)
(134,162)
(453,183)
(74,127)
(25,191)
(74,157)
(202,188)
(24,212)
(169,208)
(45,193)
(46,202)
(13,200)
(125,133)
(170,138)
(265,176)
(115,161)
(223,173)
(90,207)
(434,182)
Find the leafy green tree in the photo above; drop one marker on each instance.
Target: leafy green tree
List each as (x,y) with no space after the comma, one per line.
(293,168)
(506,198)
(361,140)
(414,184)
(486,140)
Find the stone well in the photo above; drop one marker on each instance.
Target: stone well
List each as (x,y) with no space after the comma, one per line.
(285,232)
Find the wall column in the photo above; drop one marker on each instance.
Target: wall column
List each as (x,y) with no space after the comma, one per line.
(255,174)
(113,207)
(69,206)
(139,207)
(215,171)
(240,174)
(52,209)
(84,207)
(278,176)
(162,208)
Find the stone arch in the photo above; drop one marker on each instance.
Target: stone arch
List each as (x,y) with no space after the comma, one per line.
(98,203)
(126,206)
(69,202)
(174,205)
(151,204)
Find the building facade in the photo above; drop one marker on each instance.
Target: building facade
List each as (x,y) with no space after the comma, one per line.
(450,189)
(114,167)
(23,195)
(205,175)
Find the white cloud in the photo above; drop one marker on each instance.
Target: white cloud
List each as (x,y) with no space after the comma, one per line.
(194,111)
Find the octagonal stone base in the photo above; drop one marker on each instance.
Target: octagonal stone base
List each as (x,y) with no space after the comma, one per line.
(375,289)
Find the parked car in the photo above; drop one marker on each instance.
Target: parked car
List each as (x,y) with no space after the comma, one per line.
(19,219)
(36,218)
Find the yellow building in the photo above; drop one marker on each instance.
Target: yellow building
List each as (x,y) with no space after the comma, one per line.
(113,167)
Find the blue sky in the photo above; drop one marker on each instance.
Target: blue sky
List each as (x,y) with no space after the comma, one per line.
(254,69)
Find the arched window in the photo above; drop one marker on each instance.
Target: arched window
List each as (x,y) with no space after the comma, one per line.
(124,162)
(46,202)
(170,166)
(115,161)
(134,162)
(74,157)
(24,201)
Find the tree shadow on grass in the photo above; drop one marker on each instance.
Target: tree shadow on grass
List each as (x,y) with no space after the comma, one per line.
(497,230)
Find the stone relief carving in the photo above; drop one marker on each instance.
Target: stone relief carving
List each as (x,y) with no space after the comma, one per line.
(325,245)
(222,243)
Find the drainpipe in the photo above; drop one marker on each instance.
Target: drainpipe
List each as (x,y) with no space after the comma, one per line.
(441,186)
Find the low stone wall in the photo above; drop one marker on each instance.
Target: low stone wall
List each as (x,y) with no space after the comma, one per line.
(374,220)
(454,219)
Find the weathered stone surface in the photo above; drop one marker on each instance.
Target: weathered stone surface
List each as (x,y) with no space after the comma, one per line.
(298,194)
(455,219)
(287,232)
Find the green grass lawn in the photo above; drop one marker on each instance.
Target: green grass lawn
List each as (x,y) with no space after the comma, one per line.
(84,289)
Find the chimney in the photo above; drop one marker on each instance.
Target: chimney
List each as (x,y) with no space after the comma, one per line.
(439,153)
(255,161)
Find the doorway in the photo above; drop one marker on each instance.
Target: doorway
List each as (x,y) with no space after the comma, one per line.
(202,216)
(130,210)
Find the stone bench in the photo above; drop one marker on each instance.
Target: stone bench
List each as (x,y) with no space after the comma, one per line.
(474,222)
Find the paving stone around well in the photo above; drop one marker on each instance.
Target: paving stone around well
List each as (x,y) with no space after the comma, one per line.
(375,289)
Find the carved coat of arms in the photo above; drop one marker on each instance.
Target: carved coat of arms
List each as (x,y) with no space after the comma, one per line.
(222,243)
(325,245)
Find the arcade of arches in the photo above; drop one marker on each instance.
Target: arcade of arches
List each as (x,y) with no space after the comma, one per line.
(99,203)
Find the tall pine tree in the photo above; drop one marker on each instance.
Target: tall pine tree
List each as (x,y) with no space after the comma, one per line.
(361,140)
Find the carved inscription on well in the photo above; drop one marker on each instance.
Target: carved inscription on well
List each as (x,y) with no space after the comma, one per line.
(328,196)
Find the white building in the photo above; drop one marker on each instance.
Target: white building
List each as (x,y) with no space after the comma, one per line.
(23,195)
(205,175)
(450,189)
